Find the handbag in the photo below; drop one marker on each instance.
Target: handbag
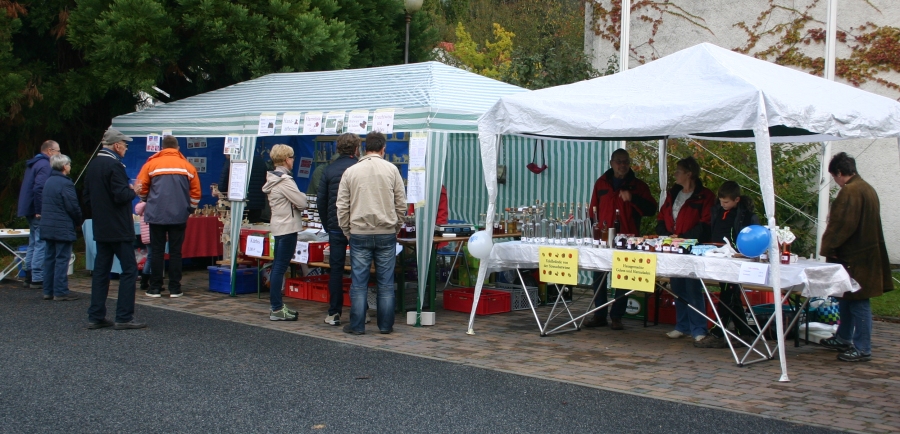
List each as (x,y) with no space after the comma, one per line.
(532,166)
(824,310)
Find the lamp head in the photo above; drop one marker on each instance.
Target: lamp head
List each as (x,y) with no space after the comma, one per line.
(412,5)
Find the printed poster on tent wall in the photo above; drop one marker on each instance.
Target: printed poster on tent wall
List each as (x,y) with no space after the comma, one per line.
(290,124)
(266,124)
(383,121)
(312,123)
(152,143)
(358,122)
(334,123)
(196,142)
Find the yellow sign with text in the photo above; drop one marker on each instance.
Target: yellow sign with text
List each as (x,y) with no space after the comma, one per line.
(558,265)
(635,271)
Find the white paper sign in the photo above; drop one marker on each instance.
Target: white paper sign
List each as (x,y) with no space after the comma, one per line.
(290,124)
(417,146)
(237,182)
(754,272)
(415,186)
(383,121)
(266,124)
(358,122)
(196,142)
(232,145)
(301,253)
(254,246)
(153,143)
(334,123)
(167,133)
(312,123)
(305,167)
(199,163)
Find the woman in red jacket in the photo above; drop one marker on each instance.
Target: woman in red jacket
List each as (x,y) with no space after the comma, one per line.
(686,214)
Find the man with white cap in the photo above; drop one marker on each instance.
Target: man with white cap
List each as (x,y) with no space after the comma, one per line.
(109,196)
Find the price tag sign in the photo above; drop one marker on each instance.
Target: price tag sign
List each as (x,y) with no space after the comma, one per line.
(635,271)
(301,253)
(255,246)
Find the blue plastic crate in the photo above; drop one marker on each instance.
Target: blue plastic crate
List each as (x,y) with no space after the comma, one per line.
(220,280)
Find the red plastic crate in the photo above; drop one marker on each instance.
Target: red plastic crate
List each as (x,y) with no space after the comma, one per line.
(319,292)
(760,297)
(316,251)
(490,302)
(666,308)
(296,288)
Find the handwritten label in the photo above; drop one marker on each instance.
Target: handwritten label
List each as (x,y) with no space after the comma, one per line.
(254,246)
(754,272)
(635,271)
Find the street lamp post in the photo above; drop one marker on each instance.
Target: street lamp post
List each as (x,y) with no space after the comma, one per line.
(411,7)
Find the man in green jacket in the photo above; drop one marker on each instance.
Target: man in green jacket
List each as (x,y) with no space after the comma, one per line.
(854,238)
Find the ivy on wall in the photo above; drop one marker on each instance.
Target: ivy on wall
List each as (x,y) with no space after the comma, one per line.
(874,49)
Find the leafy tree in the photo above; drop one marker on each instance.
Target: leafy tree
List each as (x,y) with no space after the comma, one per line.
(491,61)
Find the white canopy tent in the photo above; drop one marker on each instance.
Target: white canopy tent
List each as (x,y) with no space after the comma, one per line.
(440,100)
(705,92)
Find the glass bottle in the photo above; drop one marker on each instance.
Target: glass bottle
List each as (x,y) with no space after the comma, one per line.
(596,231)
(551,226)
(481,221)
(411,226)
(579,226)
(496,224)
(786,250)
(571,226)
(604,234)
(545,225)
(510,221)
(527,228)
(587,233)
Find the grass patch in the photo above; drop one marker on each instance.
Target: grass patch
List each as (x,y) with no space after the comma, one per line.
(888,305)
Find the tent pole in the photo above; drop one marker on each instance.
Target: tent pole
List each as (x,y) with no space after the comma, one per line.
(824,178)
(624,43)
(663,172)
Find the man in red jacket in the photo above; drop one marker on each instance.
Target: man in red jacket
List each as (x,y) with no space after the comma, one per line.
(618,190)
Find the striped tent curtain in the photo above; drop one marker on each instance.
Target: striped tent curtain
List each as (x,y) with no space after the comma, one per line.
(248,148)
(573,168)
(435,157)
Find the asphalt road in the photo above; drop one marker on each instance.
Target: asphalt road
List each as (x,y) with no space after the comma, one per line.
(187,373)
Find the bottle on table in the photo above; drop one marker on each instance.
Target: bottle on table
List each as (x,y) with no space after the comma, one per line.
(496,224)
(596,233)
(481,222)
(587,231)
(579,226)
(551,226)
(545,225)
(786,251)
(571,227)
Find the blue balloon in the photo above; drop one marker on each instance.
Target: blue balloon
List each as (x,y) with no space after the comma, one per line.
(753,240)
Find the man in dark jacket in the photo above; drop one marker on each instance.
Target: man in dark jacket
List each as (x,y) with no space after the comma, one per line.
(855,239)
(60,215)
(326,200)
(37,170)
(618,191)
(108,195)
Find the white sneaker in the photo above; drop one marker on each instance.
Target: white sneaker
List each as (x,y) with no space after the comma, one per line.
(675,334)
(699,338)
(333,319)
(368,320)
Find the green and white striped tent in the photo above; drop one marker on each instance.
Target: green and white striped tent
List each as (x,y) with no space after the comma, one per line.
(443,101)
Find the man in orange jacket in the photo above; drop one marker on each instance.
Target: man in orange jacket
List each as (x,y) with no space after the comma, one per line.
(170,186)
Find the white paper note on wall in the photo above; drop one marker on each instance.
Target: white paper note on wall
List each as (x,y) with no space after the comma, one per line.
(418,145)
(290,124)
(237,183)
(415,186)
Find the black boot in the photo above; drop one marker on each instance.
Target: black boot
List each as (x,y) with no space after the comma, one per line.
(27,282)
(145,282)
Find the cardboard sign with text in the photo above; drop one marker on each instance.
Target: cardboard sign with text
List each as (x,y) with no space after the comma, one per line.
(635,271)
(558,265)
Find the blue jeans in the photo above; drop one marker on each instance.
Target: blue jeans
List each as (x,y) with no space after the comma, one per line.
(285,247)
(147,268)
(686,320)
(618,306)
(56,268)
(363,248)
(124,250)
(856,324)
(34,256)
(337,243)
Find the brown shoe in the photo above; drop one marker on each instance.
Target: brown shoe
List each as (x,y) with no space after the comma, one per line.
(617,324)
(595,321)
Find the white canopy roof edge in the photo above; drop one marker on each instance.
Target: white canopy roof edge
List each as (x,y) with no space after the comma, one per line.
(704,92)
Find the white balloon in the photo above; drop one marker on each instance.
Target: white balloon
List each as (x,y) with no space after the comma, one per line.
(480,244)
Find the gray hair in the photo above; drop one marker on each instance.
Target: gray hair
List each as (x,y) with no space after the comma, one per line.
(59,161)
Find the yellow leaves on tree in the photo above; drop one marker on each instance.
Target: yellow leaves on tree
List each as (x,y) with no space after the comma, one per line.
(493,60)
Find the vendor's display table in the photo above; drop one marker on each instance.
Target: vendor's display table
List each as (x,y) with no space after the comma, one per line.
(18,256)
(807,278)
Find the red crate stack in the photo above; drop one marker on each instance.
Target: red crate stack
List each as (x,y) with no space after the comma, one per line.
(490,302)
(255,232)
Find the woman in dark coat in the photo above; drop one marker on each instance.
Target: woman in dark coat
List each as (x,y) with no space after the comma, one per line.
(686,214)
(60,216)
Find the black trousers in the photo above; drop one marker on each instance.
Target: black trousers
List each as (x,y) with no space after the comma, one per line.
(158,236)
(100,281)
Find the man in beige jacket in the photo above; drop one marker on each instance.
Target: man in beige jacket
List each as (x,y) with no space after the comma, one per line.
(371,203)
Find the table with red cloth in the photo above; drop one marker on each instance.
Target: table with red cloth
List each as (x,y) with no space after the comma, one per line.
(202,237)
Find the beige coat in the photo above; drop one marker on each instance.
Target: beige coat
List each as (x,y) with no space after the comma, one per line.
(371,198)
(286,201)
(854,238)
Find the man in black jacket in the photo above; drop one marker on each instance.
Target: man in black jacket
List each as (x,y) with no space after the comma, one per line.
(108,195)
(348,149)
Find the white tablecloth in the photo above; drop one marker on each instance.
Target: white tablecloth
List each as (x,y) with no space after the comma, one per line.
(811,278)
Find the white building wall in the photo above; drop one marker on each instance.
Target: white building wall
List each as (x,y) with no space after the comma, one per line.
(716,21)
